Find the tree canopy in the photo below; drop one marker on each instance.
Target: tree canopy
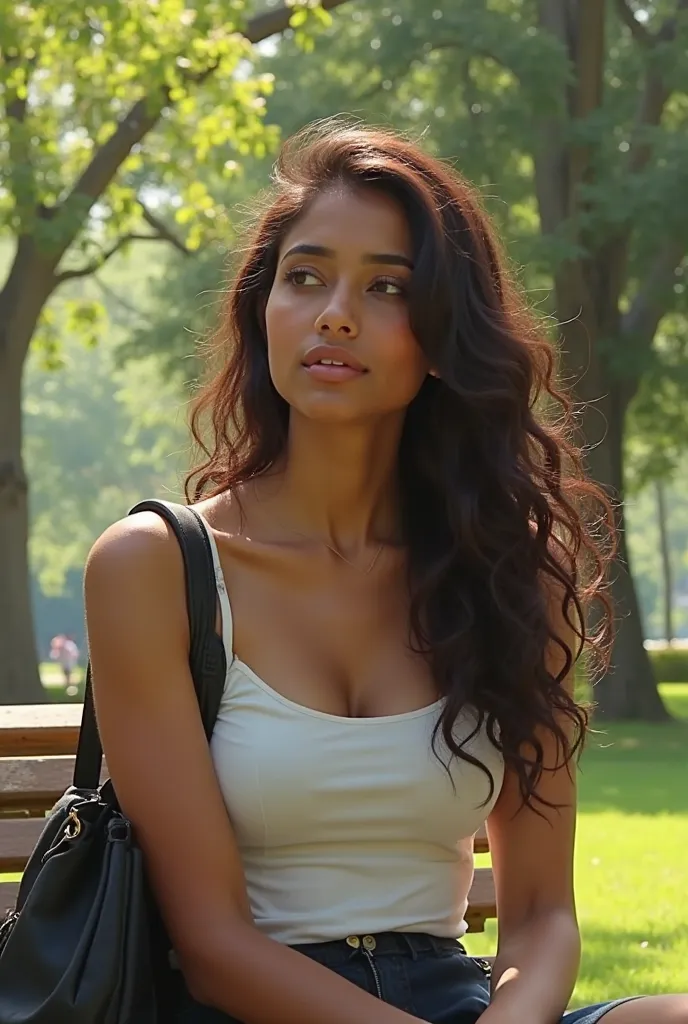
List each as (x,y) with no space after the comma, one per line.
(572,118)
(135,122)
(105,110)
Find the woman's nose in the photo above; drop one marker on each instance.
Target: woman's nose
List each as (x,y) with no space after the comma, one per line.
(337,320)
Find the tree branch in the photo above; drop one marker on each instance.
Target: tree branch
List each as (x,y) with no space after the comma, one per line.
(639,325)
(551,155)
(650,109)
(637,29)
(109,157)
(272,22)
(589,51)
(649,306)
(117,299)
(589,56)
(162,231)
(667,32)
(95,265)
(162,234)
(655,94)
(558,19)
(141,118)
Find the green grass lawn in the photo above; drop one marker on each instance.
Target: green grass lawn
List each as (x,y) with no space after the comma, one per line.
(53,681)
(631,860)
(631,857)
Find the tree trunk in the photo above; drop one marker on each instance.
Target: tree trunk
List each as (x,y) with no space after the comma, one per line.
(665,551)
(628,690)
(27,288)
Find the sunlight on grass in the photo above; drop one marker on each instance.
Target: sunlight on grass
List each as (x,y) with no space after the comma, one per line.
(53,684)
(631,859)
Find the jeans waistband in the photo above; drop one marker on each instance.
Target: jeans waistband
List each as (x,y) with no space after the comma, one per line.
(410,944)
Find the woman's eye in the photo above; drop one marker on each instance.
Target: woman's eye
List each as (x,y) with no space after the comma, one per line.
(302,277)
(388,286)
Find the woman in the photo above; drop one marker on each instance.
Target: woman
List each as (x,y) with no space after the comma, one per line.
(400,563)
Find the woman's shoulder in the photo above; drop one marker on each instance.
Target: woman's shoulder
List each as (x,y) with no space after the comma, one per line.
(136,560)
(143,537)
(141,549)
(134,584)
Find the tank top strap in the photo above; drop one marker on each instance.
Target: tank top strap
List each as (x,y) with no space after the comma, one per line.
(223,596)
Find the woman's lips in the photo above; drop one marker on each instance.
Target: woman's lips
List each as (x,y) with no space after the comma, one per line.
(330,373)
(332,363)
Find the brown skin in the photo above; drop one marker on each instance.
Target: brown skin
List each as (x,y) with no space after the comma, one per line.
(336,488)
(532,858)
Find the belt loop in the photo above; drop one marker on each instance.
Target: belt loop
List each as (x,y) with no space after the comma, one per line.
(409,942)
(438,946)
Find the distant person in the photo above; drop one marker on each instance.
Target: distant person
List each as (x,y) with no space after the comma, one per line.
(65,651)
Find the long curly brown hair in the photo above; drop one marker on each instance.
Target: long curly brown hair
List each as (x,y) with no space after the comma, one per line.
(497,514)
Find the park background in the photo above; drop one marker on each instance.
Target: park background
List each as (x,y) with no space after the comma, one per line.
(135,140)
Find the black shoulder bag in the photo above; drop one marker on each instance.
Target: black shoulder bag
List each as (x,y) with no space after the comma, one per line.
(85,944)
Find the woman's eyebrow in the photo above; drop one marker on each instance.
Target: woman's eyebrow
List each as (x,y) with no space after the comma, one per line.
(388,258)
(393,258)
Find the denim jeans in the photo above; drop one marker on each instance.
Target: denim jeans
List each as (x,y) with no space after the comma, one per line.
(430,978)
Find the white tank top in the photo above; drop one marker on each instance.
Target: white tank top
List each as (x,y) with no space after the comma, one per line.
(346,825)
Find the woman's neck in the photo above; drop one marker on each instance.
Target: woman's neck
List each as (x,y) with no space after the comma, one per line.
(338,483)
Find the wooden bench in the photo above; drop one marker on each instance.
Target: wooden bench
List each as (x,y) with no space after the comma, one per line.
(37,746)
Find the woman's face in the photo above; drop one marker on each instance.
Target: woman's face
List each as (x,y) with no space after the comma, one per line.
(340,345)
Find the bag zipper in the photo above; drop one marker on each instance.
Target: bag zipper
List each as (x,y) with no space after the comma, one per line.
(6,927)
(365,946)
(484,965)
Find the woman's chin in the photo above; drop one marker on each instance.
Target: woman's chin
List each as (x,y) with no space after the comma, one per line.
(334,408)
(332,412)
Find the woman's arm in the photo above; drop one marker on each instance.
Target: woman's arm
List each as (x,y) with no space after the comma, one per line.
(161,767)
(532,856)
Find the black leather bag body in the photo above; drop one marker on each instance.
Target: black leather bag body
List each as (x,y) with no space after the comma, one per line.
(85,944)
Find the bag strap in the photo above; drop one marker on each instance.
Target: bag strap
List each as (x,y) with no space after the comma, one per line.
(206,652)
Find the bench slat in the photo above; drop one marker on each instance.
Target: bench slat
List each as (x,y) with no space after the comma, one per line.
(18,837)
(8,897)
(28,784)
(39,729)
(481,845)
(481,906)
(37,743)
(35,784)
(482,902)
(42,730)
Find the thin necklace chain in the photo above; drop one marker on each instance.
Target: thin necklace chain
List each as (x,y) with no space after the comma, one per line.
(335,551)
(366,572)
